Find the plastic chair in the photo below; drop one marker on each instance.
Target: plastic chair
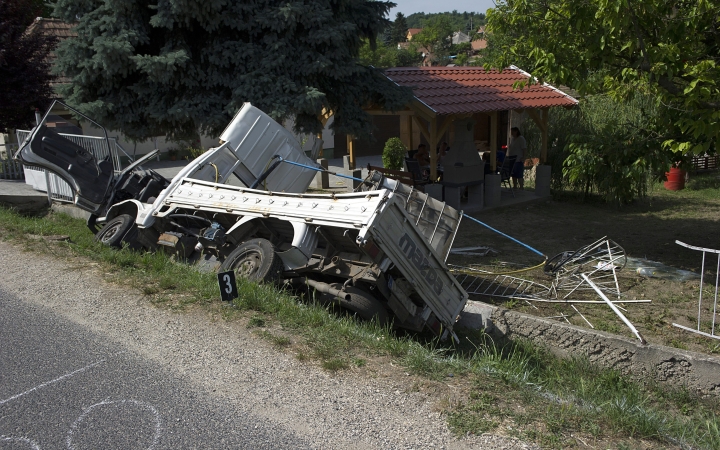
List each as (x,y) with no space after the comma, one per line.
(413,166)
(506,170)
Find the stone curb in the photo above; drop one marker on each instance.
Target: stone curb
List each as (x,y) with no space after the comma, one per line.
(679,368)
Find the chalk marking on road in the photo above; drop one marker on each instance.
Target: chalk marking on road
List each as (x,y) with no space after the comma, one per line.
(86,411)
(56,380)
(33,445)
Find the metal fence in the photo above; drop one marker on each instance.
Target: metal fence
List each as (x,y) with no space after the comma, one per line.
(706,317)
(9,168)
(705,162)
(59,188)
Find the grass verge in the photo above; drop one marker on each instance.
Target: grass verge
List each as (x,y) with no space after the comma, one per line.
(515,389)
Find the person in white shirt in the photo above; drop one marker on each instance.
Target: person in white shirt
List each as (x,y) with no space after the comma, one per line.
(518,147)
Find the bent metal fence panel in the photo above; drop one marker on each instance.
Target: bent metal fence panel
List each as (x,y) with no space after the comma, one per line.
(707,315)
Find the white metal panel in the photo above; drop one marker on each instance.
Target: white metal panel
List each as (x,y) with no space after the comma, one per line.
(347,210)
(256,138)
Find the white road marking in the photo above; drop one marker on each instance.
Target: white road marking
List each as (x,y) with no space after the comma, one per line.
(86,411)
(56,380)
(33,445)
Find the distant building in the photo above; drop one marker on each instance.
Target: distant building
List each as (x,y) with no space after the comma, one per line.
(459,37)
(480,42)
(412,32)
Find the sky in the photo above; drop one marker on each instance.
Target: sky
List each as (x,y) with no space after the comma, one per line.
(408,7)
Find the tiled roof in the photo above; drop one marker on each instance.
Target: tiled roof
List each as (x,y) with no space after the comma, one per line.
(414,31)
(53,27)
(479,44)
(462,90)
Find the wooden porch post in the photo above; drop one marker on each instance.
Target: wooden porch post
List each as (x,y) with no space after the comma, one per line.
(320,153)
(351,150)
(544,128)
(542,120)
(406,131)
(493,140)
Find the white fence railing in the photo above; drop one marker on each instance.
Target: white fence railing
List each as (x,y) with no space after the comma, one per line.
(59,188)
(9,168)
(707,316)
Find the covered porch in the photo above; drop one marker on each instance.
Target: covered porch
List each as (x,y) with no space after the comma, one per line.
(470,109)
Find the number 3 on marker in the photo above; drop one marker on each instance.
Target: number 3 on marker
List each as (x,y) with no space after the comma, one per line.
(228,286)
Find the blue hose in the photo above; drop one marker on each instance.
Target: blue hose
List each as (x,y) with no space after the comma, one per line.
(503,234)
(321,170)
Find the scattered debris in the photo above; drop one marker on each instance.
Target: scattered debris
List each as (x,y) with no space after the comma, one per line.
(592,268)
(474,251)
(654,269)
(614,308)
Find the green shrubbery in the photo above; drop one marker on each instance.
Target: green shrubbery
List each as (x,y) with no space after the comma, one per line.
(605,147)
(393,154)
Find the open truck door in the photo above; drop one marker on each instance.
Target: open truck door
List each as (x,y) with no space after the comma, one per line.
(89,178)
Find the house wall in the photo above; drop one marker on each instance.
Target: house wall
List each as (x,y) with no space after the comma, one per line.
(385,127)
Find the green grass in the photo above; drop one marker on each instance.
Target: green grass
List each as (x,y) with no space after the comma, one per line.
(514,388)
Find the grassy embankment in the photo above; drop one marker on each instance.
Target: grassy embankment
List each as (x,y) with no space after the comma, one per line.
(515,389)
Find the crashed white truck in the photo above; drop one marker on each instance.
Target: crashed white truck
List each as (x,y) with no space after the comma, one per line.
(378,251)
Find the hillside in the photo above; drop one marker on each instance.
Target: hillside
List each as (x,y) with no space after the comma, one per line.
(461,21)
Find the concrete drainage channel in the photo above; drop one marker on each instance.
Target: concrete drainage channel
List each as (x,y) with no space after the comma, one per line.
(678,368)
(675,367)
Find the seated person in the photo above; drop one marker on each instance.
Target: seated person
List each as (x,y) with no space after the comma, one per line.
(423,156)
(442,151)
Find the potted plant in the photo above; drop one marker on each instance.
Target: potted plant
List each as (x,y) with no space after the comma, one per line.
(172,154)
(393,155)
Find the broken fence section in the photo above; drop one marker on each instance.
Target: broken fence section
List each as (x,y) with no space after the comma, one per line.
(709,324)
(591,269)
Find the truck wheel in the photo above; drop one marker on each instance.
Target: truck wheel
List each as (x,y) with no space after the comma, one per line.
(362,303)
(255,260)
(119,230)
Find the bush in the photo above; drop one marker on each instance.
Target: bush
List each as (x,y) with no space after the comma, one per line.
(605,146)
(394,154)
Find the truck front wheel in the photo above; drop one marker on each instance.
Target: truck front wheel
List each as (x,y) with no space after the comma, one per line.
(255,260)
(117,231)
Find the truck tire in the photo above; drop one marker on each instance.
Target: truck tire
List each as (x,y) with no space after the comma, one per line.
(365,305)
(117,231)
(361,302)
(255,260)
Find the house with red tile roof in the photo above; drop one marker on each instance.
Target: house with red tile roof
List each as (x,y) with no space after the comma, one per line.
(412,32)
(444,95)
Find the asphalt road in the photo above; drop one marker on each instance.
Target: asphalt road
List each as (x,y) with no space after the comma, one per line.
(62,386)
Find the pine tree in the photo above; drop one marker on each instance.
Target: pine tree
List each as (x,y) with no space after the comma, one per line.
(400,29)
(176,68)
(24,71)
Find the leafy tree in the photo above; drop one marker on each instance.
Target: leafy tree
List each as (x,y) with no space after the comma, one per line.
(462,52)
(460,21)
(436,37)
(667,50)
(389,56)
(399,29)
(176,68)
(24,71)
